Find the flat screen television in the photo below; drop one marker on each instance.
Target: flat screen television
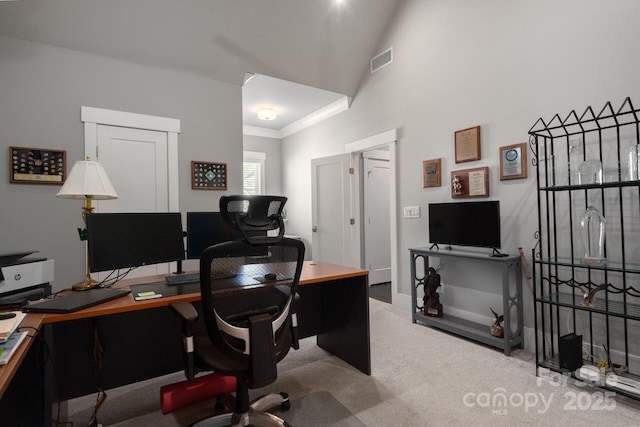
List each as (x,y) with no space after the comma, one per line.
(206,229)
(125,240)
(465,224)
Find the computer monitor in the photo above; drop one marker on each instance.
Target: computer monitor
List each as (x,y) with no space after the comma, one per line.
(124,240)
(206,229)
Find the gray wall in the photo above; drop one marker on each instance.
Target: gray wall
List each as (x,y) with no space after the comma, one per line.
(272,147)
(41,91)
(500,64)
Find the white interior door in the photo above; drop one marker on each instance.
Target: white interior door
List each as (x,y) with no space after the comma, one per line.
(331,210)
(136,162)
(140,155)
(377,227)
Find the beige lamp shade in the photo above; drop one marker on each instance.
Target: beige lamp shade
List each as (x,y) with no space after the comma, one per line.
(87,179)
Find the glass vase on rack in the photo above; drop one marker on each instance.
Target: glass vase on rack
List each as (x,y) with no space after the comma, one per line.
(562,166)
(590,172)
(632,158)
(592,230)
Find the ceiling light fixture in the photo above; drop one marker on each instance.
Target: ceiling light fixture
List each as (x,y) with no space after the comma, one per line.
(266,114)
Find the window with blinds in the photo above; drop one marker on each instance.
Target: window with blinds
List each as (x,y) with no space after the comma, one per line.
(253,172)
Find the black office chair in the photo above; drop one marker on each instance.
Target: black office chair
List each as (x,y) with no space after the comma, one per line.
(247,288)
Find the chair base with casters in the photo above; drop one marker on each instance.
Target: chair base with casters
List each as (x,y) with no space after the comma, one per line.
(256,415)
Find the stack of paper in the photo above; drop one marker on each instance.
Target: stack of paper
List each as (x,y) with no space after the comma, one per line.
(7,326)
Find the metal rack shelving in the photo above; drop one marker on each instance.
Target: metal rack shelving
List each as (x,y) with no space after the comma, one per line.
(561,277)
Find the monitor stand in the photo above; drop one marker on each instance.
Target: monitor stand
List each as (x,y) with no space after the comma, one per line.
(498,254)
(179,267)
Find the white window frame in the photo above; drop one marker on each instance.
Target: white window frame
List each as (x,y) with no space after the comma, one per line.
(256,157)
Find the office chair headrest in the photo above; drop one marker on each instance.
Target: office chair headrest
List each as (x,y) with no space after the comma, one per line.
(254,213)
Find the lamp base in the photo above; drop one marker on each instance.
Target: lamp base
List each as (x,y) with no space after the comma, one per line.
(86,284)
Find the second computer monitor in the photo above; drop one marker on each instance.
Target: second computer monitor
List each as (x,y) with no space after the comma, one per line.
(205,229)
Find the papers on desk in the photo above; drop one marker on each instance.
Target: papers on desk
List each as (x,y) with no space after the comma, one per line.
(7,326)
(141,296)
(9,346)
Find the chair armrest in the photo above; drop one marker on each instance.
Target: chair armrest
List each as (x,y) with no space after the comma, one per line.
(185,310)
(188,316)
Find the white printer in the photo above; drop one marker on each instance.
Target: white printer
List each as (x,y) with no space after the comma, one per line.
(23,278)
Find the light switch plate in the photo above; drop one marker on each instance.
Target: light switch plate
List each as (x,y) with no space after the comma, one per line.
(412,211)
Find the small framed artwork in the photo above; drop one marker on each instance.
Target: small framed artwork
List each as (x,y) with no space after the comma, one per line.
(470,183)
(467,144)
(431,172)
(37,166)
(513,161)
(208,175)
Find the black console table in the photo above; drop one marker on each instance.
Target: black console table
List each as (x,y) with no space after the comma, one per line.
(511,298)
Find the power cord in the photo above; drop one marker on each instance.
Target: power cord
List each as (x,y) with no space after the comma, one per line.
(99,360)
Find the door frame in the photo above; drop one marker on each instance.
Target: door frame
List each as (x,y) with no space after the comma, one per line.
(93,117)
(379,155)
(387,140)
(350,237)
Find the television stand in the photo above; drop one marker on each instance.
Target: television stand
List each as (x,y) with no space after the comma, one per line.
(511,298)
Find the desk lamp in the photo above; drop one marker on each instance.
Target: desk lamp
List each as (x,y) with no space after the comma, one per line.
(88,181)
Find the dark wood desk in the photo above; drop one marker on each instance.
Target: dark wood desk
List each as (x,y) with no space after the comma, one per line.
(142,339)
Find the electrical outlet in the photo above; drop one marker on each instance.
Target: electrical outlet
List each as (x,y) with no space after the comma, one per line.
(412,211)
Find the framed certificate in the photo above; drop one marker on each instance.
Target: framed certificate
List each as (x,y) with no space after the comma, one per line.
(513,161)
(467,142)
(431,172)
(470,183)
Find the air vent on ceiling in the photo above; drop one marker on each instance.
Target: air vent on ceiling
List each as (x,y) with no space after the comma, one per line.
(381,60)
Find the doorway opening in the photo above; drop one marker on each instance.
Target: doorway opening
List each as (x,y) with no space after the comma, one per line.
(383,147)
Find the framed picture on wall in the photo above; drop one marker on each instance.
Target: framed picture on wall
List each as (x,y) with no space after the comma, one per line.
(431,173)
(513,161)
(467,144)
(37,166)
(208,175)
(470,182)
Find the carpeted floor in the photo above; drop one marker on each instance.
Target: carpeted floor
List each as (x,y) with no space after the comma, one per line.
(420,377)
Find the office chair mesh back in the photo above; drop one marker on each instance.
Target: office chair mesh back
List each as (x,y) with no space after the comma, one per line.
(251,328)
(253,213)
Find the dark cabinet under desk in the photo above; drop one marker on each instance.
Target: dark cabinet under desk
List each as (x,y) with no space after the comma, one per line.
(509,269)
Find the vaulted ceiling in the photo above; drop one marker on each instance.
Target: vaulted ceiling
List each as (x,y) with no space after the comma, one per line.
(322,44)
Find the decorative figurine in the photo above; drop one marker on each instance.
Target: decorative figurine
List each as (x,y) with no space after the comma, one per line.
(431,300)
(497,330)
(456,185)
(588,297)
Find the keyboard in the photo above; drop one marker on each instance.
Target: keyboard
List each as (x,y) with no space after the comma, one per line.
(182,278)
(179,279)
